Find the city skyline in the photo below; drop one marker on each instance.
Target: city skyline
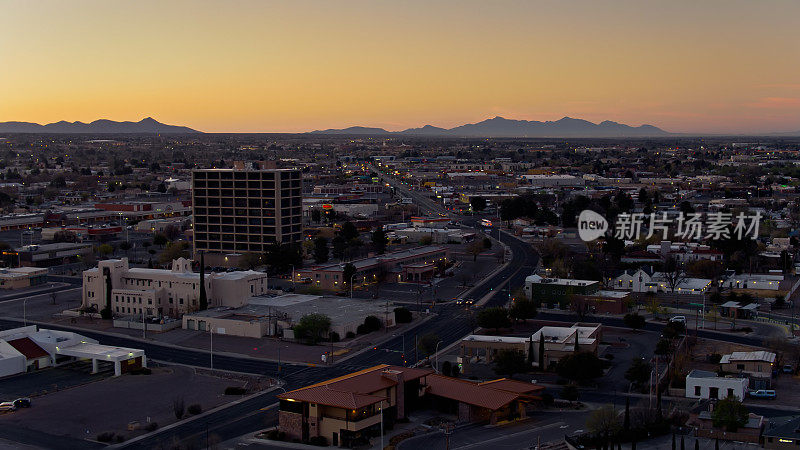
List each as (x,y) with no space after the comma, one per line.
(718,67)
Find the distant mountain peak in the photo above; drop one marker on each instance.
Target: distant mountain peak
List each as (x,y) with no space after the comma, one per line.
(499,126)
(148,125)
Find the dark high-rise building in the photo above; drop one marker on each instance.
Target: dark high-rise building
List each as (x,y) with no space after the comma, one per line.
(244,209)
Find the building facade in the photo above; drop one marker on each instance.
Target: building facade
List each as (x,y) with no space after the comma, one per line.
(244,210)
(161,292)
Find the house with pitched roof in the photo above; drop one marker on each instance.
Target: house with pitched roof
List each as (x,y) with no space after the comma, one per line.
(348,410)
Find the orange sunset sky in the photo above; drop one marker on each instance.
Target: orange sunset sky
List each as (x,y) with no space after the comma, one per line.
(696,66)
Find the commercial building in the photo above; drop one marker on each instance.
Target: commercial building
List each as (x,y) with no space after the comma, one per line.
(783,436)
(553,290)
(244,210)
(558,342)
(46,255)
(709,386)
(268,315)
(30,348)
(22,277)
(415,264)
(348,410)
(161,292)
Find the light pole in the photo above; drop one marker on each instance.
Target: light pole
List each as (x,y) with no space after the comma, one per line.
(436,356)
(211,331)
(25,312)
(144,326)
(292,277)
(351,285)
(381,407)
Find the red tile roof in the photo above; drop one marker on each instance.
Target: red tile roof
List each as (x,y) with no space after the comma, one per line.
(514,386)
(354,390)
(27,347)
(469,392)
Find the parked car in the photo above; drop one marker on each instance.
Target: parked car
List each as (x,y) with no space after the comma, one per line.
(788,368)
(763,393)
(22,402)
(7,406)
(680,319)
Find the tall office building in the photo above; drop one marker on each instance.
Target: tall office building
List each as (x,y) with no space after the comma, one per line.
(244,209)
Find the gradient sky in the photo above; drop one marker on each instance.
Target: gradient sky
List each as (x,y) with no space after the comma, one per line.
(231,66)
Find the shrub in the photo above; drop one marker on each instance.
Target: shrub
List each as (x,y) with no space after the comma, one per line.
(634,321)
(350,335)
(319,441)
(235,390)
(120,438)
(402,315)
(194,409)
(334,336)
(547,399)
(362,329)
(714,358)
(275,435)
(108,436)
(372,323)
(152,426)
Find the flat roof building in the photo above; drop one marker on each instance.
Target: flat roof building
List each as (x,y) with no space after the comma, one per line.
(244,210)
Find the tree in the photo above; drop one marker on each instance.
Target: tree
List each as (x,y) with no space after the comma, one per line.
(348,231)
(427,344)
(634,321)
(522,309)
(203,296)
(402,315)
(478,204)
(125,246)
(493,318)
(250,260)
(580,367)
(639,372)
(475,248)
(178,407)
(673,330)
(173,251)
(663,347)
(487,243)
(541,351)
(106,313)
(379,241)
(570,392)
(673,274)
(105,249)
(509,362)
(320,250)
(339,247)
(604,422)
(312,327)
(348,273)
(729,413)
(160,239)
(372,323)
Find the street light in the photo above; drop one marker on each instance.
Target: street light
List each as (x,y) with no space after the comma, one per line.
(436,355)
(211,330)
(351,285)
(292,277)
(25,312)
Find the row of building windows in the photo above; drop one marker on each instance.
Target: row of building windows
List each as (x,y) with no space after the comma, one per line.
(245,175)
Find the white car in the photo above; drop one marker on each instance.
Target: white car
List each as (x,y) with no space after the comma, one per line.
(681,319)
(8,406)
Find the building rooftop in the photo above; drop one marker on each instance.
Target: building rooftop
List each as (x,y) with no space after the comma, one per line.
(760,355)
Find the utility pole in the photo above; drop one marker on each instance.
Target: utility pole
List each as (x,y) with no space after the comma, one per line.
(211,330)
(447,433)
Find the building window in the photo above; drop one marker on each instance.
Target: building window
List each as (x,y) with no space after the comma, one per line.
(697,390)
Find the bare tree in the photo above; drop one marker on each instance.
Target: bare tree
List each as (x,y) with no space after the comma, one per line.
(673,273)
(178,407)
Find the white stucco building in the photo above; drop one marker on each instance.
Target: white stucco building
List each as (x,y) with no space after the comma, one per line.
(707,385)
(161,292)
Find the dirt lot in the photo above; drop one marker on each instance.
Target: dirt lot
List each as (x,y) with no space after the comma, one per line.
(109,405)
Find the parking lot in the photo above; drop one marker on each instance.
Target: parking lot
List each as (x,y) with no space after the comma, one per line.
(116,402)
(50,380)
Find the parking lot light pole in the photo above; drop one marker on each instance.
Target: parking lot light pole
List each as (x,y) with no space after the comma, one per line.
(25,312)
(351,285)
(211,330)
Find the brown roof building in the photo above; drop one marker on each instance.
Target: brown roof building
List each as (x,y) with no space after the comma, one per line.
(346,411)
